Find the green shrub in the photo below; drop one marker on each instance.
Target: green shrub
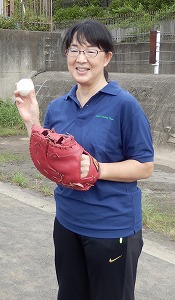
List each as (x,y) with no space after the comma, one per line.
(7,23)
(34,20)
(75,13)
(35,26)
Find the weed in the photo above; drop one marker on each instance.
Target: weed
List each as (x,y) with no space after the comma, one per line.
(39,176)
(10,157)
(12,131)
(157,220)
(9,117)
(19,179)
(46,190)
(42,189)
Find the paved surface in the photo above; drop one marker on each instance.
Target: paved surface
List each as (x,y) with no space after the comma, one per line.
(27,253)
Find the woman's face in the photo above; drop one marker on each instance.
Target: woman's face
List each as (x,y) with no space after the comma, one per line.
(87,70)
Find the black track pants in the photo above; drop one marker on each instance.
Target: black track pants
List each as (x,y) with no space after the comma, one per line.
(95,268)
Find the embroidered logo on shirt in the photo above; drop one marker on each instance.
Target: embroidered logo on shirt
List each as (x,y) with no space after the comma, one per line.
(104,117)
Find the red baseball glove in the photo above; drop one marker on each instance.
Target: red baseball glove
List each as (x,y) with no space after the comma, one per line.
(58,157)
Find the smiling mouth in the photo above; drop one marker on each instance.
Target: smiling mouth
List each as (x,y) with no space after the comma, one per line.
(82,69)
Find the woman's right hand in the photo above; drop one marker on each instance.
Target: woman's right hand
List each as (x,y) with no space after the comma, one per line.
(28,109)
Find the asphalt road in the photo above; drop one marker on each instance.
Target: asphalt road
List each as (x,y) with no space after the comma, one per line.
(27,252)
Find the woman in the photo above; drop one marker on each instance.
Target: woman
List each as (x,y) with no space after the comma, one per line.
(97,233)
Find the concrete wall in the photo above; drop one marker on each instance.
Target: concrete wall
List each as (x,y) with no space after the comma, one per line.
(131,58)
(23,53)
(27,53)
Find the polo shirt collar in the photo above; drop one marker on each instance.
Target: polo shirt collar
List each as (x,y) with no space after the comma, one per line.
(112,88)
(72,93)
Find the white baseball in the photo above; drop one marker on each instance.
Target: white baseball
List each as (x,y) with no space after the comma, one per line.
(24,86)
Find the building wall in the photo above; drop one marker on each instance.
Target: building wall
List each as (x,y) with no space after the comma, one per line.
(26,53)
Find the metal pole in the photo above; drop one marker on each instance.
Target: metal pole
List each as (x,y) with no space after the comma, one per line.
(1,8)
(51,20)
(156,65)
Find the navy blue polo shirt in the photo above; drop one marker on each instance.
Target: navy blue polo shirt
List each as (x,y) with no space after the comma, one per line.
(112,127)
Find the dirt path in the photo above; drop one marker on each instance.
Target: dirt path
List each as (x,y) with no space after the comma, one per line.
(18,147)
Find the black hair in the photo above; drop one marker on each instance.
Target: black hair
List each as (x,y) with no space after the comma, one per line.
(92,31)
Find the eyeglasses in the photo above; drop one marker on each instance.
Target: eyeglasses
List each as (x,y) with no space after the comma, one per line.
(88,53)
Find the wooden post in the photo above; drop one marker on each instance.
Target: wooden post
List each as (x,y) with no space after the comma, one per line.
(152,50)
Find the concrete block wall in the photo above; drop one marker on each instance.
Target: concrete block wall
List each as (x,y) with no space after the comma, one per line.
(26,53)
(23,54)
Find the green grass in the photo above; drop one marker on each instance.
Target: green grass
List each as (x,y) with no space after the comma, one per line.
(45,190)
(12,132)
(39,186)
(19,178)
(10,157)
(10,120)
(162,221)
